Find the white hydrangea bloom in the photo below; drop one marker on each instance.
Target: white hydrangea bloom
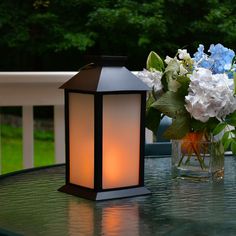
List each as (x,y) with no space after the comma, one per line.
(182,70)
(183,54)
(168,59)
(210,95)
(151,79)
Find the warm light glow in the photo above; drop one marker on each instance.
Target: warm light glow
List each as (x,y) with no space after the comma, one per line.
(121,220)
(84,218)
(81,218)
(81,138)
(121,140)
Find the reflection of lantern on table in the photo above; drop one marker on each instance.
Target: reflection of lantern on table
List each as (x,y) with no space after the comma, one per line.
(105,110)
(106,218)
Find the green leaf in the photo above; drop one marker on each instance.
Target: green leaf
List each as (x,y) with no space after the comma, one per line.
(197,125)
(153,118)
(220,127)
(179,128)
(225,137)
(234,83)
(227,144)
(233,61)
(164,83)
(171,75)
(151,99)
(233,131)
(209,126)
(172,67)
(170,104)
(154,62)
(184,82)
(231,119)
(233,146)
(173,85)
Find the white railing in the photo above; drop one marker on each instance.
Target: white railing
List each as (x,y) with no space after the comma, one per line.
(28,89)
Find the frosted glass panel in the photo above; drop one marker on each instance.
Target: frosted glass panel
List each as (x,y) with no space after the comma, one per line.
(81,138)
(121,140)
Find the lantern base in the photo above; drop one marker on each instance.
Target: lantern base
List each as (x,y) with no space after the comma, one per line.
(103,195)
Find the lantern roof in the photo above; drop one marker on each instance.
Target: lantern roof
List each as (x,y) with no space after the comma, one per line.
(96,78)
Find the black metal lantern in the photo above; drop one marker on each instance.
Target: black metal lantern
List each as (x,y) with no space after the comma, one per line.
(105,133)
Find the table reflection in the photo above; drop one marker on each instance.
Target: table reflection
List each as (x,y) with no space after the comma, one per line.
(31,205)
(103,218)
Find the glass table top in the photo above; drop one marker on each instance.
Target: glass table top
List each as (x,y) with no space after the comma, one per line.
(31,205)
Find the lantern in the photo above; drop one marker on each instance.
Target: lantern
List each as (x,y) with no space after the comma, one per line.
(105,133)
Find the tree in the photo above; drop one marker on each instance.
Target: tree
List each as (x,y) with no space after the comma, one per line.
(56,34)
(218,24)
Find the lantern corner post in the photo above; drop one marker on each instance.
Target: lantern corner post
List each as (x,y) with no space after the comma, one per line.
(98,126)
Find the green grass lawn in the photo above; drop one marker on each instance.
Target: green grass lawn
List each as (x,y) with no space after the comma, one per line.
(11,148)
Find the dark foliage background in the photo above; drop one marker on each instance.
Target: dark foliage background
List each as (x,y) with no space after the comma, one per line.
(47,35)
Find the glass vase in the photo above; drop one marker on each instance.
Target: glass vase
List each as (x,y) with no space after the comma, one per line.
(200,160)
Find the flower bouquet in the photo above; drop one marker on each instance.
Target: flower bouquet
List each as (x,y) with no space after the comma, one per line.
(198,93)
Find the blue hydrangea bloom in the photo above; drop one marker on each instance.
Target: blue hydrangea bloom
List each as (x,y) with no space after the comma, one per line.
(200,53)
(219,61)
